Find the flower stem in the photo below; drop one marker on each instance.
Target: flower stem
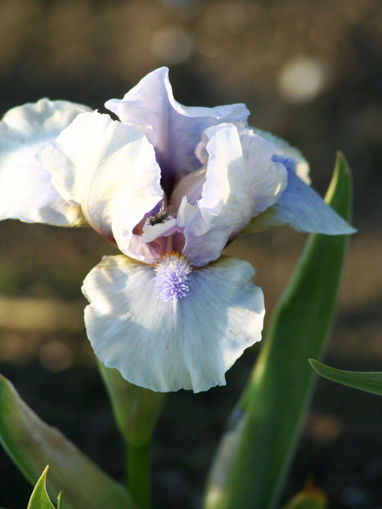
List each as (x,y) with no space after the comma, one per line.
(138,474)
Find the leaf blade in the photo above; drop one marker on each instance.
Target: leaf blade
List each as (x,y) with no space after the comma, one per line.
(367,381)
(310,497)
(32,444)
(279,390)
(136,410)
(307,501)
(40,498)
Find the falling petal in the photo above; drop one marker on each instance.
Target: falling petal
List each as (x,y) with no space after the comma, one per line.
(173,326)
(303,209)
(26,190)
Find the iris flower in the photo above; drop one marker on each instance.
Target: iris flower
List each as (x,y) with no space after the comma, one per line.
(171,186)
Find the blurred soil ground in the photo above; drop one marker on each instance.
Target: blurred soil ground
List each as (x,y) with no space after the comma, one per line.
(310,72)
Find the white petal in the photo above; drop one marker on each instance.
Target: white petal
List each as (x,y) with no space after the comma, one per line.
(191,186)
(172,128)
(267,179)
(303,209)
(26,191)
(240,180)
(167,345)
(110,170)
(283,148)
(186,212)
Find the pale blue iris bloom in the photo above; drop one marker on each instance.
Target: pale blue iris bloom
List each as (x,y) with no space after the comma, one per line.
(170,185)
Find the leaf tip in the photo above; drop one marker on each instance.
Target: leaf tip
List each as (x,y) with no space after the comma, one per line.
(315,364)
(339,193)
(341,163)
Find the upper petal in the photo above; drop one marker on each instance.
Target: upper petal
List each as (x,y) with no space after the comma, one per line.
(241,179)
(26,190)
(303,209)
(267,177)
(284,149)
(172,128)
(109,169)
(166,345)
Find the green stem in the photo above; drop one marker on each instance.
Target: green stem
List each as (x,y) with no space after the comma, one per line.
(138,474)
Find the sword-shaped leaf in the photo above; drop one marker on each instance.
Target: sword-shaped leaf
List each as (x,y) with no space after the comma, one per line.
(269,414)
(40,498)
(32,445)
(362,380)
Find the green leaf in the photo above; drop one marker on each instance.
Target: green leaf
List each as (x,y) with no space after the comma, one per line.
(362,380)
(307,502)
(136,410)
(32,444)
(310,498)
(40,498)
(267,420)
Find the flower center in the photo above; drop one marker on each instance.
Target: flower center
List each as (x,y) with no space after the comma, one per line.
(173,276)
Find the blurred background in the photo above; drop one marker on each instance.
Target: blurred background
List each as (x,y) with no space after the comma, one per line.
(310,72)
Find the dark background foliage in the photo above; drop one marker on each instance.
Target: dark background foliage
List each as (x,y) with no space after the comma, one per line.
(309,72)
